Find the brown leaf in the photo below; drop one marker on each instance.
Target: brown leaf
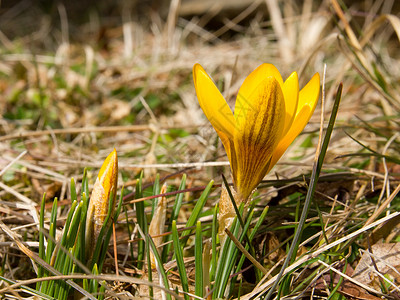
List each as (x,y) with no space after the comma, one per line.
(347,288)
(385,260)
(51,189)
(353,291)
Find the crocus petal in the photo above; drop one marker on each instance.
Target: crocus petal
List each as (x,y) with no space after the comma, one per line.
(308,98)
(105,184)
(254,80)
(108,174)
(291,93)
(259,125)
(214,106)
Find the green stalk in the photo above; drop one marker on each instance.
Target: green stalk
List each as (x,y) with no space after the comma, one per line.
(223,272)
(85,183)
(179,261)
(128,227)
(72,235)
(214,237)
(82,231)
(149,273)
(252,234)
(160,267)
(102,292)
(93,284)
(156,191)
(242,237)
(61,253)
(63,288)
(174,216)
(239,216)
(198,261)
(179,198)
(141,220)
(50,244)
(73,190)
(196,213)
(310,193)
(41,240)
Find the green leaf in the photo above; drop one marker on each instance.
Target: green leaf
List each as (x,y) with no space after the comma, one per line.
(160,267)
(214,237)
(311,189)
(41,240)
(142,222)
(196,212)
(73,190)
(179,261)
(198,261)
(174,216)
(156,191)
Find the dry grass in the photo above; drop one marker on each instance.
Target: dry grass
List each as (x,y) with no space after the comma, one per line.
(72,91)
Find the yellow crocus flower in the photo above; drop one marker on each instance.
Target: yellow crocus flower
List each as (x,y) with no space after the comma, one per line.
(106,183)
(269,114)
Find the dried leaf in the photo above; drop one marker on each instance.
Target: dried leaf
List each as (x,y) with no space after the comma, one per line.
(385,259)
(157,224)
(347,288)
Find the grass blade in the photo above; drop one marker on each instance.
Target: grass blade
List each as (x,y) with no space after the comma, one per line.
(196,212)
(156,191)
(150,274)
(239,216)
(310,193)
(174,215)
(223,271)
(160,267)
(73,190)
(41,240)
(82,231)
(141,220)
(50,244)
(260,220)
(179,261)
(198,261)
(214,237)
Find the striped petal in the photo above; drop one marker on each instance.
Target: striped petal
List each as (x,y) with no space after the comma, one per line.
(214,106)
(260,122)
(291,94)
(308,98)
(254,80)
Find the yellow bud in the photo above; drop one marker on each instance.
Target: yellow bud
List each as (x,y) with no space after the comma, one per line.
(106,183)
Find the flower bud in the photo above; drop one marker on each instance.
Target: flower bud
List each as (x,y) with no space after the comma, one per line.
(99,204)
